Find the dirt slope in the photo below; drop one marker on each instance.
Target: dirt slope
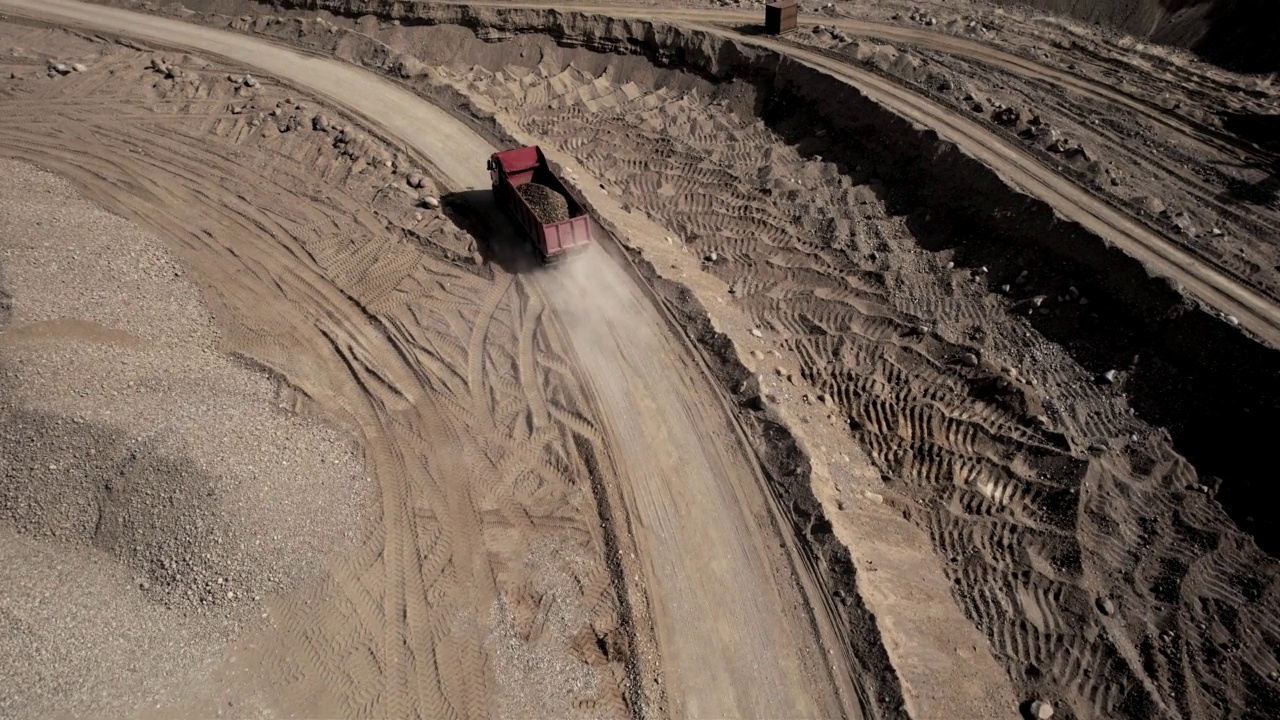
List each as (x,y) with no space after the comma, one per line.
(483,586)
(880,310)
(388,380)
(1238,34)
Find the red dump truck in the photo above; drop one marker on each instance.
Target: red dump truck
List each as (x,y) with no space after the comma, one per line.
(553,240)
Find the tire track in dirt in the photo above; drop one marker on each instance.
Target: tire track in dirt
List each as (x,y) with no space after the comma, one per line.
(346,311)
(763,624)
(989,452)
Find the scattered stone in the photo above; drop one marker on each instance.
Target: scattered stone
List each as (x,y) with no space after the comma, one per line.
(1106,606)
(712,257)
(1152,205)
(1005,116)
(1110,376)
(969,359)
(320,122)
(1042,710)
(60,68)
(78,67)
(756,332)
(237,109)
(1184,223)
(417,217)
(782,372)
(171,72)
(756,354)
(1233,320)
(951,266)
(249,81)
(431,201)
(415,180)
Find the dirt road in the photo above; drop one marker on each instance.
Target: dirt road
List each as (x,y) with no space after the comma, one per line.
(961,47)
(734,633)
(1253,310)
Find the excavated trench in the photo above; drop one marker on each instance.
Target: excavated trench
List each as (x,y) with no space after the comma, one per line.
(959,327)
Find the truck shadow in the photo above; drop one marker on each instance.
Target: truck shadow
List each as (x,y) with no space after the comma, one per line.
(498,238)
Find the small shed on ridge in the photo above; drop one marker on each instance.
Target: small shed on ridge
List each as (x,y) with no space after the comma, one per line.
(780,16)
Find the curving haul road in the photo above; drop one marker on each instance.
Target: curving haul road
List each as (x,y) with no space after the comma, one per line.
(736,633)
(1255,312)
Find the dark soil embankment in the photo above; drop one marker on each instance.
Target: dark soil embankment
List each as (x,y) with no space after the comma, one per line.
(1236,34)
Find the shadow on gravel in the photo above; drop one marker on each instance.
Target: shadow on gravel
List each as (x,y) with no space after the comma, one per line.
(1217,393)
(93,485)
(500,240)
(1263,131)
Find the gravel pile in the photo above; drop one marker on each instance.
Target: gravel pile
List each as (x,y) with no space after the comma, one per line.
(130,445)
(548,205)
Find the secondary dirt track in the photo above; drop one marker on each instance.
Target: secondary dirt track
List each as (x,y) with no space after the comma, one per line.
(698,537)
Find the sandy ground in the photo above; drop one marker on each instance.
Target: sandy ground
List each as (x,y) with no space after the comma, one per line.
(481,580)
(169,520)
(1070,532)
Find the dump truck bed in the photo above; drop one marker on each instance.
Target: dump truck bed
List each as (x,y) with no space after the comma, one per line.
(513,168)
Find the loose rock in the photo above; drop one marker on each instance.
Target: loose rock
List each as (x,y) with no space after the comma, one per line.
(547,205)
(1005,116)
(431,201)
(415,180)
(1106,606)
(78,67)
(320,122)
(249,81)
(1042,710)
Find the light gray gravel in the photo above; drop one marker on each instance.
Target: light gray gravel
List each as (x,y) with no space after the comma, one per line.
(150,489)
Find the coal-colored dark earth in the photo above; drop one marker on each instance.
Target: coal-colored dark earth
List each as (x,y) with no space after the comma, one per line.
(1241,35)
